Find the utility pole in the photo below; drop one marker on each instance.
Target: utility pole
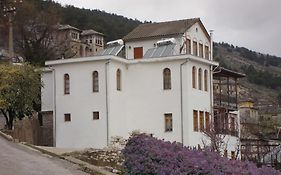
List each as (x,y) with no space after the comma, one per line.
(9,10)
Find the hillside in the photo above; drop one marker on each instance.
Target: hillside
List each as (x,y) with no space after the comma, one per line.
(263,82)
(50,13)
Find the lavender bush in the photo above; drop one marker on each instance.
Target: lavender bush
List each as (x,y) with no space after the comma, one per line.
(147,155)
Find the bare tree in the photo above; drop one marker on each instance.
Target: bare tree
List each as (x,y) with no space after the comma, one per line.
(217,139)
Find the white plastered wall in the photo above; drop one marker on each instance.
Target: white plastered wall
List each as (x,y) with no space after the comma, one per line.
(82,131)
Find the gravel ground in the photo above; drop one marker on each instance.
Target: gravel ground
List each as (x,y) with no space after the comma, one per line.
(111,159)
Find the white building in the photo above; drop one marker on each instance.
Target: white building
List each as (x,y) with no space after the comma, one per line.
(158,82)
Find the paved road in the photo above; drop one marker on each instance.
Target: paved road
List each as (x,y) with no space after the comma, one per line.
(18,160)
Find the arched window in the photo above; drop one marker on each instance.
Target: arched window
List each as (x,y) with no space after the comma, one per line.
(194,77)
(118,80)
(167,79)
(95,81)
(66,84)
(206,80)
(200,79)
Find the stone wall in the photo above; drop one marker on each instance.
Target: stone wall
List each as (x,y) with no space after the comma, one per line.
(47,127)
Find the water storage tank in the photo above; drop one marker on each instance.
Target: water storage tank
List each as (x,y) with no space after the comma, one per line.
(115,42)
(167,41)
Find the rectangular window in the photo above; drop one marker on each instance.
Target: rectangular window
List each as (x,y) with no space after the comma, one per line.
(201,50)
(66,84)
(207,52)
(195,120)
(74,35)
(67,117)
(232,155)
(96,115)
(138,52)
(207,121)
(188,46)
(201,114)
(225,153)
(168,123)
(195,50)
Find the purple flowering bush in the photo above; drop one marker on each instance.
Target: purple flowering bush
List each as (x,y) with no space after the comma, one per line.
(147,155)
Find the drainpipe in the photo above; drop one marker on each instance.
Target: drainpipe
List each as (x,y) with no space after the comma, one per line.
(54,107)
(211,93)
(106,101)
(211,76)
(181,89)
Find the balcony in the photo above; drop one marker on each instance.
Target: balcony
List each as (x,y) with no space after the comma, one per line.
(225,101)
(226,88)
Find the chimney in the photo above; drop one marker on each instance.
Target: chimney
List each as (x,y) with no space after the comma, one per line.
(212,45)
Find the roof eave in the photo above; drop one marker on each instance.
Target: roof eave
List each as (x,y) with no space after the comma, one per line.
(132,61)
(151,37)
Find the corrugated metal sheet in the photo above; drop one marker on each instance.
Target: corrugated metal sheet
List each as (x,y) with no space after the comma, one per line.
(114,50)
(161,51)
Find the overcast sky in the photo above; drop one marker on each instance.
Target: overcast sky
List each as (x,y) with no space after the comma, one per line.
(255,24)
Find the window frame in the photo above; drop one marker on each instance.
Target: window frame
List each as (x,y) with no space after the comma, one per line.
(66,84)
(232,155)
(201,121)
(67,117)
(201,52)
(206,80)
(167,79)
(200,86)
(207,55)
(195,48)
(96,115)
(95,81)
(194,77)
(168,120)
(118,79)
(207,121)
(195,121)
(188,46)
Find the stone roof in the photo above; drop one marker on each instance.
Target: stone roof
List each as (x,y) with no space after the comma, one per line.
(91,32)
(162,29)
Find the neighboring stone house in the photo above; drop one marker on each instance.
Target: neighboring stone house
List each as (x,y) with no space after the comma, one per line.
(260,134)
(72,42)
(157,80)
(248,112)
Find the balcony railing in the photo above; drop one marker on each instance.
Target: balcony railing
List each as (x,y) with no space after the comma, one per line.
(221,100)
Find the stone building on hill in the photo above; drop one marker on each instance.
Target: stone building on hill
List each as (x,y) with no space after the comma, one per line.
(73,42)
